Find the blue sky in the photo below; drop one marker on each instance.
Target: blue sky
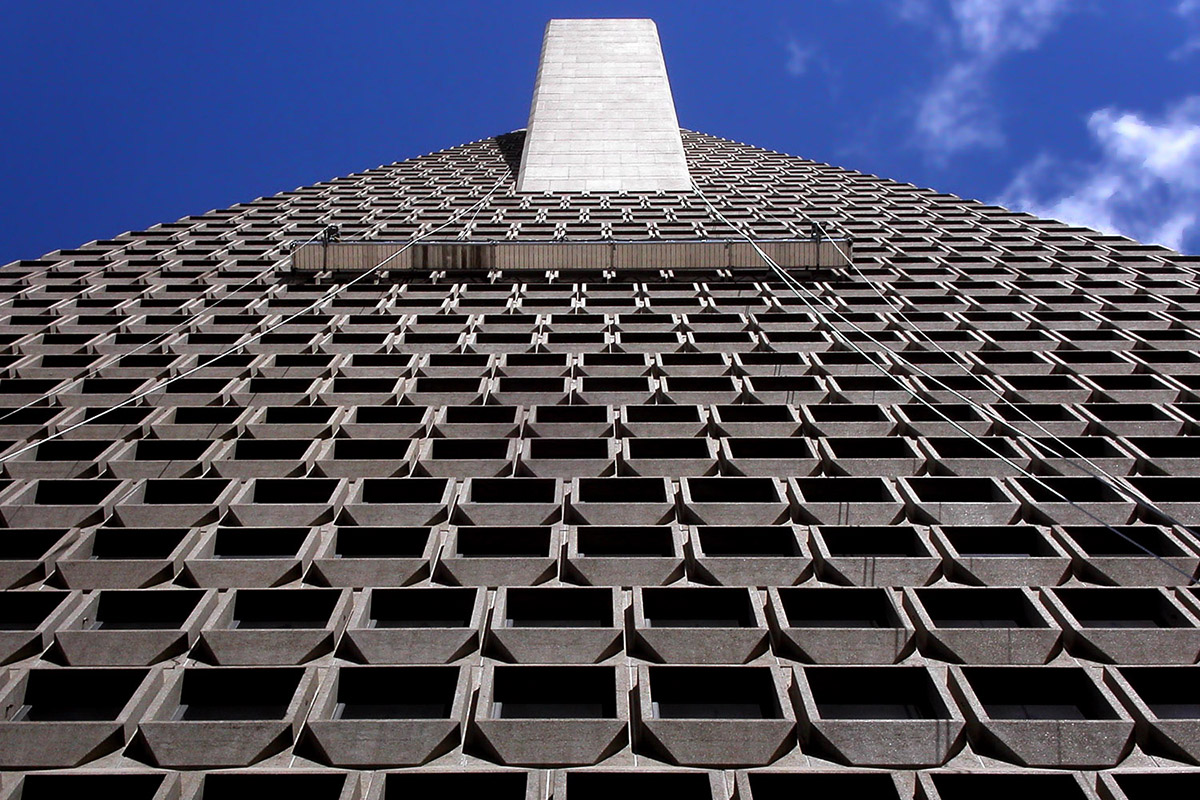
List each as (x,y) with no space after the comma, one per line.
(114,116)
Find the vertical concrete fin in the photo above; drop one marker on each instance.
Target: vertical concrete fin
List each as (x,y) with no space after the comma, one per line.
(603,118)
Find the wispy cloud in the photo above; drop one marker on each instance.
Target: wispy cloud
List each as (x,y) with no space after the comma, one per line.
(956,111)
(799,57)
(1145,184)
(994,28)
(1190,11)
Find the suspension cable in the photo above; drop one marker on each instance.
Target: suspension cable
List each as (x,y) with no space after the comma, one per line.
(986,409)
(105,363)
(116,357)
(1116,483)
(796,287)
(250,338)
(161,337)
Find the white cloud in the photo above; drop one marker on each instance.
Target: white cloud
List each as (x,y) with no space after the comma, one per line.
(1190,11)
(928,14)
(986,28)
(913,10)
(994,28)
(799,57)
(1145,184)
(956,112)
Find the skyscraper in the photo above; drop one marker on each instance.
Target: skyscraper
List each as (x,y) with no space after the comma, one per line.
(602,458)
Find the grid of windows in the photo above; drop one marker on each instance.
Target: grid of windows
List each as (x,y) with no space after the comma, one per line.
(477,532)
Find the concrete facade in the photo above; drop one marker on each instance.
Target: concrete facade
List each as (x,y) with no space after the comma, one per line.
(591,533)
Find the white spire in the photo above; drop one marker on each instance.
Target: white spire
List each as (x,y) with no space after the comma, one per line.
(603,118)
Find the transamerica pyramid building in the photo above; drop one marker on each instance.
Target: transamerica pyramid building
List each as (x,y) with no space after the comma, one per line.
(601,459)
